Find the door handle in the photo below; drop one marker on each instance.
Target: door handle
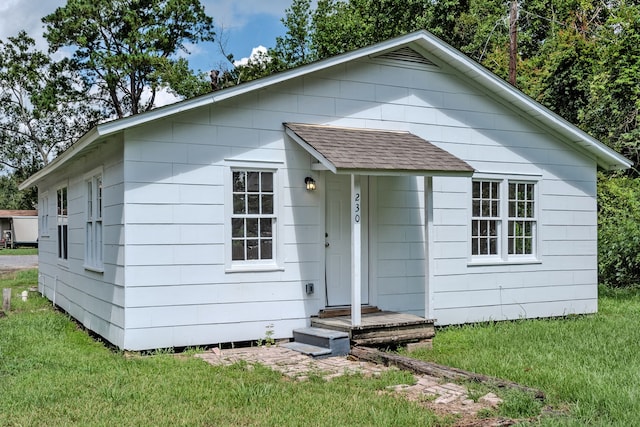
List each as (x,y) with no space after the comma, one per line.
(326,244)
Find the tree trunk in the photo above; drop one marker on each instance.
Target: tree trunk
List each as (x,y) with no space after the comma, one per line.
(513,42)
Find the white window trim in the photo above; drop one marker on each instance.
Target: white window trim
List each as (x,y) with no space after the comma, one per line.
(43,211)
(274,264)
(62,261)
(503,257)
(92,263)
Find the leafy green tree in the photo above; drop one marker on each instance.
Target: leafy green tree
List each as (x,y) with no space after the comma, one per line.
(619,231)
(340,26)
(294,48)
(126,48)
(613,113)
(42,109)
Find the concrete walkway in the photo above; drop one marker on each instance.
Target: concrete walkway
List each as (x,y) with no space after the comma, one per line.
(444,398)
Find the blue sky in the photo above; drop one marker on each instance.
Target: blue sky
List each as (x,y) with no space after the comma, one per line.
(244,24)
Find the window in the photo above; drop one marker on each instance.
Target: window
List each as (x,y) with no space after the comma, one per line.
(43,210)
(253,218)
(485,225)
(63,222)
(93,247)
(521,218)
(503,223)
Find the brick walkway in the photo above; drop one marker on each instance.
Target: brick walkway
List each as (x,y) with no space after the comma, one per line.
(444,397)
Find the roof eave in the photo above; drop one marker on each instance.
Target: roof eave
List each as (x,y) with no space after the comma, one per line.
(404,172)
(86,140)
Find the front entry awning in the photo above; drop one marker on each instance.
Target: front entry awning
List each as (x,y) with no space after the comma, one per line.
(374,151)
(361,152)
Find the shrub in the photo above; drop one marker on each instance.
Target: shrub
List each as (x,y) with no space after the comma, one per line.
(618,231)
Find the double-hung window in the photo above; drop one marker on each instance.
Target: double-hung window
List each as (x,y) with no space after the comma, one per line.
(43,211)
(62,206)
(504,221)
(93,239)
(253,220)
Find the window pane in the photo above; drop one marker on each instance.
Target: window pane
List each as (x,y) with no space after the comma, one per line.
(239,204)
(266,251)
(239,179)
(476,190)
(252,227)
(476,208)
(267,182)
(237,250)
(529,210)
(486,190)
(493,246)
(89,200)
(237,225)
(494,190)
(484,248)
(99,197)
(253,182)
(266,227)
(486,208)
(253,204)
(267,204)
(98,254)
(252,249)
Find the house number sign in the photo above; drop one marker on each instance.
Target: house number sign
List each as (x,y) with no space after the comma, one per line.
(356,208)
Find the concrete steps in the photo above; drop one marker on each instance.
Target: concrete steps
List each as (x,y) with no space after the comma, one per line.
(319,342)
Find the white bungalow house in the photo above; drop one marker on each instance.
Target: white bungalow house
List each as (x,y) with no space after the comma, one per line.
(401,175)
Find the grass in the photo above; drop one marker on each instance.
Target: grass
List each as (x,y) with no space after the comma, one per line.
(19,251)
(588,365)
(54,374)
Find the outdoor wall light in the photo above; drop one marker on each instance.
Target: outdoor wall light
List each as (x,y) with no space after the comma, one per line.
(311,183)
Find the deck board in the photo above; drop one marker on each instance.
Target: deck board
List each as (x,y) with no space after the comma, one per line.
(384,327)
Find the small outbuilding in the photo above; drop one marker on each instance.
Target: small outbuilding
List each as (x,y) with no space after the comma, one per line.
(402,175)
(18,228)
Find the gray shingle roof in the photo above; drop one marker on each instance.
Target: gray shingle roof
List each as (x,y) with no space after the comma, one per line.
(373,149)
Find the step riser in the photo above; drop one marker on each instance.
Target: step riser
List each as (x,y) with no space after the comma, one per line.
(337,342)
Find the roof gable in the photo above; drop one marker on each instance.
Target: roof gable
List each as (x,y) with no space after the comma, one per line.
(408,48)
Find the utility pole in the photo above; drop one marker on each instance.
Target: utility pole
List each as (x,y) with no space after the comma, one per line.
(513,41)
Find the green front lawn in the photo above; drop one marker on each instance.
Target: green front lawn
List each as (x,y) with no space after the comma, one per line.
(589,365)
(52,373)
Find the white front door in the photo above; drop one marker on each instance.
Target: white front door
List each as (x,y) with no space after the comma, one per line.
(338,241)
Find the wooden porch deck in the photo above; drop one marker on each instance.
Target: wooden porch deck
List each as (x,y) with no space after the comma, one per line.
(380,328)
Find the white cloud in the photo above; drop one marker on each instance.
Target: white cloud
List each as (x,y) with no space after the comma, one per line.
(16,15)
(257,54)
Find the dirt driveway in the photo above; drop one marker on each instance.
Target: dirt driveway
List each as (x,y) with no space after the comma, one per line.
(17,262)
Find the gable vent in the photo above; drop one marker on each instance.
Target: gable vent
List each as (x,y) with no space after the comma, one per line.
(406,54)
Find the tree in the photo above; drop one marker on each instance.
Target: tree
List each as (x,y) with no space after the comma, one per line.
(339,26)
(42,108)
(613,113)
(128,49)
(294,49)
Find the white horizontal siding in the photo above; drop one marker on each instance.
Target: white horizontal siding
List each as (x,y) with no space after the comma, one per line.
(170,196)
(96,300)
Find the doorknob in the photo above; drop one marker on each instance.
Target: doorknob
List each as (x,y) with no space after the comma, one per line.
(326,244)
